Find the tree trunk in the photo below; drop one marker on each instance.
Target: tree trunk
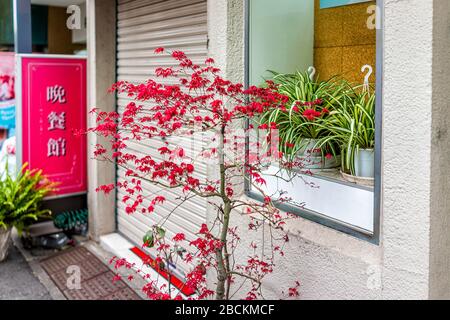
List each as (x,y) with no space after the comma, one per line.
(222,272)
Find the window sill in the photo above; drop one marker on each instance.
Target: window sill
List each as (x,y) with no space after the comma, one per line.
(327,199)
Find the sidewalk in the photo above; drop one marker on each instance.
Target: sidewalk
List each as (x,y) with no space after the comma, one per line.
(95,279)
(17,280)
(35,275)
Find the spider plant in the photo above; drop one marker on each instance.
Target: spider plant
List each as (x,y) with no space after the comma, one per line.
(309,101)
(351,125)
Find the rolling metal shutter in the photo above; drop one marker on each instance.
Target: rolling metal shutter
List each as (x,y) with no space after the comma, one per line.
(144,25)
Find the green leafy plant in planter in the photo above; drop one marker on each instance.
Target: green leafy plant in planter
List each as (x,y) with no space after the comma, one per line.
(352,126)
(310,101)
(20,203)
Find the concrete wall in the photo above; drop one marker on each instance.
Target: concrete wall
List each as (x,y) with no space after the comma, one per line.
(101,46)
(407,127)
(226,36)
(412,261)
(416,150)
(440,149)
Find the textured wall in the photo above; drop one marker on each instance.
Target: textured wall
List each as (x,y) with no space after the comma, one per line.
(226,36)
(327,263)
(342,41)
(407,129)
(101,45)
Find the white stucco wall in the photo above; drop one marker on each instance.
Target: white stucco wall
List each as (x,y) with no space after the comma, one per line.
(416,149)
(412,260)
(407,130)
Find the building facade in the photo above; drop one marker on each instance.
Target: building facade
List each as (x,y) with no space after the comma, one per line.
(388,241)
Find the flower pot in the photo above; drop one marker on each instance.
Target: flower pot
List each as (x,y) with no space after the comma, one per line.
(313,159)
(5,242)
(309,149)
(365,163)
(368,182)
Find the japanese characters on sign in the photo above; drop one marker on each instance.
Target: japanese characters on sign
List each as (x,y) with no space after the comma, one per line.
(53,113)
(56,121)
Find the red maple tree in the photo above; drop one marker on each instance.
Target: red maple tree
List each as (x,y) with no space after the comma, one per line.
(198,102)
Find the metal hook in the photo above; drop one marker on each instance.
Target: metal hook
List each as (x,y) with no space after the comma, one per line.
(312,73)
(367,76)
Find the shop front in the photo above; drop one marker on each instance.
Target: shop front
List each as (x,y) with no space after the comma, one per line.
(44,97)
(324,40)
(366,126)
(351,228)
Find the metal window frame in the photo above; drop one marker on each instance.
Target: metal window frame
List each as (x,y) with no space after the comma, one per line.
(321,219)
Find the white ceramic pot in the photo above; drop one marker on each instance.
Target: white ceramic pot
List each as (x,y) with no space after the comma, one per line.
(5,242)
(365,163)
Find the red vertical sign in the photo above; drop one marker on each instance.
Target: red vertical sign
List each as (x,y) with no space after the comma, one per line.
(53,111)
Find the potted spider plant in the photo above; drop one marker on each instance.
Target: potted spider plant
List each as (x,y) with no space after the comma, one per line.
(20,201)
(352,126)
(309,102)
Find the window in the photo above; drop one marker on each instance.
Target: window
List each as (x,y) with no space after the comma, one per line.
(335,46)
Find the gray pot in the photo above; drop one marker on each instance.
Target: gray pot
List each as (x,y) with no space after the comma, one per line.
(5,242)
(309,149)
(365,163)
(312,158)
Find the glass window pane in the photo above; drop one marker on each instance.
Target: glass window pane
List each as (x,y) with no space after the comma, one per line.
(281,36)
(316,128)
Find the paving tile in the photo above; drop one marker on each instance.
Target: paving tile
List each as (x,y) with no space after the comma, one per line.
(96,278)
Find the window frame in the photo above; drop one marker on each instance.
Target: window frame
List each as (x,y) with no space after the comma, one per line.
(319,218)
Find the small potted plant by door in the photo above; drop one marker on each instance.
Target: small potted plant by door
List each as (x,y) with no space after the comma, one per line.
(352,126)
(309,102)
(20,203)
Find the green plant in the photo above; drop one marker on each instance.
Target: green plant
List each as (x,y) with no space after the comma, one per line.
(21,198)
(351,125)
(310,101)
